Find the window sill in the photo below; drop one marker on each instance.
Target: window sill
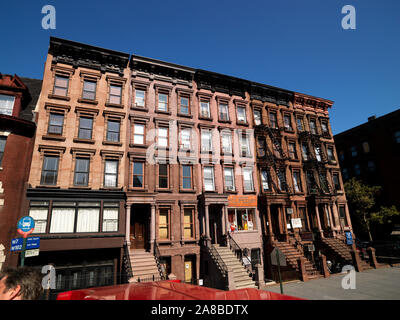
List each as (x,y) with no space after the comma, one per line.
(48,186)
(53,137)
(80,188)
(110,143)
(184,115)
(168,113)
(133,145)
(205,118)
(121,106)
(138,189)
(224,121)
(82,100)
(249,192)
(79,140)
(111,188)
(187,190)
(231,191)
(241,123)
(136,108)
(162,148)
(53,96)
(164,190)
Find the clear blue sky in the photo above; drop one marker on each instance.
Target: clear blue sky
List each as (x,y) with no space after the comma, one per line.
(292,44)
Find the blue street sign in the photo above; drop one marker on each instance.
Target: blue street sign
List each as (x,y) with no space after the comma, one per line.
(31,243)
(349,238)
(26,224)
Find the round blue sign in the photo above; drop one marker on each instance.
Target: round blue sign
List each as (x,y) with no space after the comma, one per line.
(26,224)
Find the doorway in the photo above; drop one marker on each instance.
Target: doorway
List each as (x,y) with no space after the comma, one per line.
(139,229)
(190,268)
(275,223)
(215,224)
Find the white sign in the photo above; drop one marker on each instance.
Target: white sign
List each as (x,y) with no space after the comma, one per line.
(31,253)
(296,223)
(250,225)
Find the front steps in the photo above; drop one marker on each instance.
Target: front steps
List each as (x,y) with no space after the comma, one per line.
(241,277)
(293,255)
(144,266)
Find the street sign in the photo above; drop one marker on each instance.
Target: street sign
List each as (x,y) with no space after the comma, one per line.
(349,238)
(31,253)
(25,226)
(276,255)
(31,243)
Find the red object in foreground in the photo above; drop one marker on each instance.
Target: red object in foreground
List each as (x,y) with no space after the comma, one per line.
(168,290)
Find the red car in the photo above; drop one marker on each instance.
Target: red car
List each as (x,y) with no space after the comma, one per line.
(168,290)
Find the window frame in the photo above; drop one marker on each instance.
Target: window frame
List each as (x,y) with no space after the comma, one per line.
(212,175)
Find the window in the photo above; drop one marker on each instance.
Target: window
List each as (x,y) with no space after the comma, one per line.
(323,182)
(38,211)
(88,217)
(371,166)
(113,127)
(265,180)
(357,169)
(342,216)
(162,102)
(313,126)
(187,177)
(138,174)
(56,123)
(304,149)
(111,173)
(300,124)
(292,150)
(261,146)
(311,185)
(331,156)
(223,112)
(139,98)
(273,120)
(205,109)
(397,136)
(188,225)
(138,133)
(287,122)
(162,137)
(185,142)
(281,180)
(85,128)
(324,127)
(208,174)
(81,177)
(303,217)
(241,114)
(163,176)
(184,105)
(115,94)
(243,219)
(353,151)
(245,145)
(277,147)
(229,179)
(318,152)
(6,104)
(297,181)
(226,141)
(62,217)
(110,216)
(365,147)
(257,117)
(248,179)
(206,140)
(61,86)
(163,224)
(3,141)
(336,182)
(89,90)
(49,170)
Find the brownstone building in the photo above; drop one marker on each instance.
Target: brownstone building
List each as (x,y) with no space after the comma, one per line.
(77,181)
(18,97)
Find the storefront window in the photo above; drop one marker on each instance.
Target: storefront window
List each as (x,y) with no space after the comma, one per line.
(243,219)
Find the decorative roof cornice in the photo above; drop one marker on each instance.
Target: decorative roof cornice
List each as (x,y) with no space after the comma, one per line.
(311,101)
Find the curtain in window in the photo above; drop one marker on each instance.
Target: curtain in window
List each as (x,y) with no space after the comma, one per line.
(111,171)
(88,220)
(40,217)
(62,220)
(110,219)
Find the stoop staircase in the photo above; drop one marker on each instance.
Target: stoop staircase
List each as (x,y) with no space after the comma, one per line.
(292,257)
(144,266)
(241,277)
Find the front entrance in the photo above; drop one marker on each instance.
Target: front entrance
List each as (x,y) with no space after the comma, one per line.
(276,223)
(189,268)
(215,224)
(139,229)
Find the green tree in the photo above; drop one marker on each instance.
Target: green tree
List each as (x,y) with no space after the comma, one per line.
(362,201)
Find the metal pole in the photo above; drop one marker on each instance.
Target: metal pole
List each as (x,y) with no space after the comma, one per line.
(279,270)
(23,252)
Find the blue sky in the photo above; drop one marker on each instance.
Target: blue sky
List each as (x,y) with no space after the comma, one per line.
(295,45)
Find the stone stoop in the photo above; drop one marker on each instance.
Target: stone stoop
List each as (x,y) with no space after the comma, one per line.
(241,277)
(144,265)
(292,257)
(340,248)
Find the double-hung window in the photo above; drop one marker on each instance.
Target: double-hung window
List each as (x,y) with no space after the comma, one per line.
(162,102)
(89,90)
(163,176)
(162,137)
(187,177)
(138,133)
(115,94)
(313,126)
(140,98)
(208,174)
(49,170)
(248,184)
(61,86)
(287,122)
(241,114)
(6,104)
(185,142)
(85,128)
(205,109)
(138,174)
(297,181)
(229,178)
(188,223)
(223,112)
(81,176)
(257,117)
(3,141)
(184,105)
(111,173)
(273,122)
(56,123)
(206,140)
(113,130)
(226,141)
(265,180)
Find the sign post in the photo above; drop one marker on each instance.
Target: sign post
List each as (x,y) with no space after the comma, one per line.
(25,226)
(278,259)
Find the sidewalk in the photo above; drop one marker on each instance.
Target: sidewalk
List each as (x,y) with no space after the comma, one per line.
(379,284)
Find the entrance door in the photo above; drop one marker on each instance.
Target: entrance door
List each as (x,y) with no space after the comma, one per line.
(138,235)
(188,271)
(275,221)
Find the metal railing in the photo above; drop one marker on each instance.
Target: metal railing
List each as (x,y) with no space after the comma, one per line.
(242,255)
(218,260)
(127,264)
(161,269)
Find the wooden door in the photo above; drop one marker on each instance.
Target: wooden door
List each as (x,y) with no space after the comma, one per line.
(188,270)
(137,235)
